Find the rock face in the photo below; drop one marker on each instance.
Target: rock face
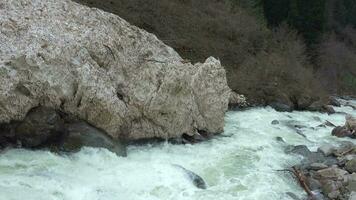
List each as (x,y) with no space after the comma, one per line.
(97,67)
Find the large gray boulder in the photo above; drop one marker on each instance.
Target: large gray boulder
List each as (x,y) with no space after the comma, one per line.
(95,66)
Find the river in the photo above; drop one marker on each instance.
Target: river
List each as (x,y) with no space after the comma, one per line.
(239,164)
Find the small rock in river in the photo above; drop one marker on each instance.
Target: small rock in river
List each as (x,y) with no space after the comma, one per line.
(275,122)
(299,149)
(280,139)
(196,179)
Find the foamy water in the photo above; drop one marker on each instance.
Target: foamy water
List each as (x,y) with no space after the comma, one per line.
(241,164)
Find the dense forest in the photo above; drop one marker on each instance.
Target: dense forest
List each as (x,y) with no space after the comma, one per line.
(290,52)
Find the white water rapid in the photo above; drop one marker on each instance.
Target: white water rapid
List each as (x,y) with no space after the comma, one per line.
(239,165)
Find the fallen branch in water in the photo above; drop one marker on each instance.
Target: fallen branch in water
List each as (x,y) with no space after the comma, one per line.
(302,181)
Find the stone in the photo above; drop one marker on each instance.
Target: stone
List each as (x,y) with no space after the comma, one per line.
(313,184)
(318,157)
(275,122)
(318,166)
(99,68)
(334,102)
(341,131)
(299,149)
(334,194)
(333,173)
(350,123)
(81,134)
(326,149)
(329,109)
(281,107)
(196,179)
(331,188)
(40,125)
(351,166)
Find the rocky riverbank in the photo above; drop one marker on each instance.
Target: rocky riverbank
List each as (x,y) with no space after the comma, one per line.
(330,172)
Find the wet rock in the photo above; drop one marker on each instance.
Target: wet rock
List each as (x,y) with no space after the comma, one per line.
(329,109)
(350,123)
(237,100)
(40,125)
(81,134)
(280,139)
(313,184)
(316,118)
(318,157)
(351,166)
(275,122)
(299,149)
(192,139)
(334,102)
(292,195)
(196,179)
(322,126)
(328,123)
(326,149)
(333,173)
(334,194)
(331,188)
(341,131)
(281,107)
(300,132)
(317,166)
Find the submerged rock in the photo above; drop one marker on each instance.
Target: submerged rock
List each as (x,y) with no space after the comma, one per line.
(275,122)
(81,134)
(299,149)
(196,179)
(281,107)
(98,68)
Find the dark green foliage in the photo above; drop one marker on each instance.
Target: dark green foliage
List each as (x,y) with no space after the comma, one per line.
(306,16)
(345,12)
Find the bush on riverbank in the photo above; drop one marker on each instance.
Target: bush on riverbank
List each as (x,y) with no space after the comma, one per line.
(267,66)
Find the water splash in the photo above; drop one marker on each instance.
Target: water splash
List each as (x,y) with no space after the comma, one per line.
(240,165)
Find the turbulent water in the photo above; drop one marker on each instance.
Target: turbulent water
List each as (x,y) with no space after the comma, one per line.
(240,164)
